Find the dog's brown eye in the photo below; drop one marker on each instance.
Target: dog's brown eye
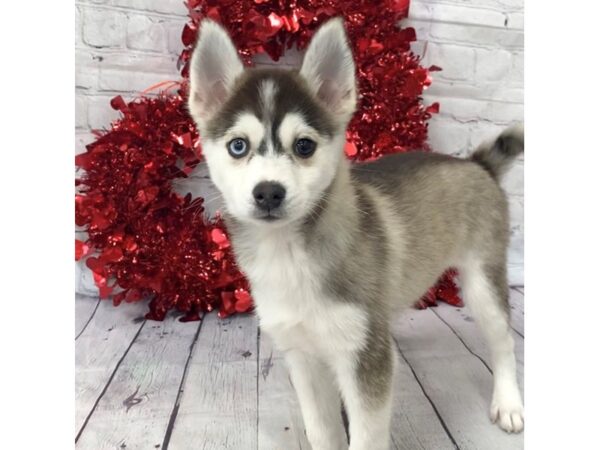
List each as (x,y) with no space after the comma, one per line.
(238,147)
(305,147)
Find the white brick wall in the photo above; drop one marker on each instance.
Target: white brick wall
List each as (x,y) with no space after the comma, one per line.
(125,46)
(122,47)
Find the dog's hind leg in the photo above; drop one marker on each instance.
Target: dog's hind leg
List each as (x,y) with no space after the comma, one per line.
(485,291)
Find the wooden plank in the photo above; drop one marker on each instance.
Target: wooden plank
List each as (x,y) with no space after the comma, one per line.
(460,321)
(136,408)
(99,349)
(457,383)
(280,423)
(85,308)
(517,311)
(521,289)
(218,406)
(415,424)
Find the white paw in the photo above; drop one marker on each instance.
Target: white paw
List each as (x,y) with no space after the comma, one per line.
(507,413)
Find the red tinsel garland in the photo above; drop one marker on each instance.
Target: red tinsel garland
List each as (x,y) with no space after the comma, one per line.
(148,241)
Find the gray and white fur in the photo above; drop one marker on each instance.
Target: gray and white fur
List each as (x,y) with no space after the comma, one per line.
(332,249)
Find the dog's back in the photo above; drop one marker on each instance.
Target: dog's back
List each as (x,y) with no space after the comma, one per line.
(446,207)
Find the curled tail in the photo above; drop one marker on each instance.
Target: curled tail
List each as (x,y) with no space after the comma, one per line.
(497,156)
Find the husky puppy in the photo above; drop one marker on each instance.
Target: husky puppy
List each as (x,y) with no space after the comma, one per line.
(330,248)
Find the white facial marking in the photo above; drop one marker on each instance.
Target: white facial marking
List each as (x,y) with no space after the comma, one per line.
(247,126)
(294,127)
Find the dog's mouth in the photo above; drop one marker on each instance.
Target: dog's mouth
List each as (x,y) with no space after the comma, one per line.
(271,215)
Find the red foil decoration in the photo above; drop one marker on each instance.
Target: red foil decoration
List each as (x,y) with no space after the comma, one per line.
(149,242)
(445,290)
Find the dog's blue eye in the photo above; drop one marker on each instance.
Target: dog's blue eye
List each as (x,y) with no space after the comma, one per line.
(237,147)
(305,147)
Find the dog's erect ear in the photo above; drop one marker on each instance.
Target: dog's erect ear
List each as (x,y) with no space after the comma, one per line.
(214,66)
(328,67)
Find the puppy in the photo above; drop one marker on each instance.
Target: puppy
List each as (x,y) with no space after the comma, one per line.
(332,249)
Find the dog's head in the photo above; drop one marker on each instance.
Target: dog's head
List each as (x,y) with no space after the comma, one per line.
(272,139)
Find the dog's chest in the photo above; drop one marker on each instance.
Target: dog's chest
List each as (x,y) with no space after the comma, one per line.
(292,304)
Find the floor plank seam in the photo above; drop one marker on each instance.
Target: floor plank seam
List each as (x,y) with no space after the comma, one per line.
(463,342)
(90,319)
(257,381)
(518,289)
(175,410)
(435,410)
(112,375)
(517,331)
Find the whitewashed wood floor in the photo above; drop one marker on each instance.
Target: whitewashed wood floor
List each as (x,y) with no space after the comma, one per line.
(219,384)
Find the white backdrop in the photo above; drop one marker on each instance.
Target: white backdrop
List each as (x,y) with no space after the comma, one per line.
(125,46)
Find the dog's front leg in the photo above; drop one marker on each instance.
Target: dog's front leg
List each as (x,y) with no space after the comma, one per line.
(366,380)
(319,400)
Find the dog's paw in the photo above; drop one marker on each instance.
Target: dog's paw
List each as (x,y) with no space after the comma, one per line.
(508,414)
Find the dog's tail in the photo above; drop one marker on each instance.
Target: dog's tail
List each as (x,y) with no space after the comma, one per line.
(497,156)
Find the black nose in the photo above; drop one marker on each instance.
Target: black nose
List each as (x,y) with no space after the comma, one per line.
(268,195)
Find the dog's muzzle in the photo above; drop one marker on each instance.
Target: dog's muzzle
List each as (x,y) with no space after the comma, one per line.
(268,197)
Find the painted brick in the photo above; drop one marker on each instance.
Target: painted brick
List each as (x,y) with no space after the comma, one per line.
(78,26)
(82,138)
(487,91)
(513,180)
(516,209)
(170,7)
(84,280)
(86,75)
(457,62)
(476,35)
(146,33)
(506,4)
(136,62)
(499,5)
(100,113)
(421,27)
(515,76)
(119,80)
(440,12)
(174,44)
(492,65)
(516,20)
(80,111)
(104,28)
(464,109)
(482,131)
(448,136)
